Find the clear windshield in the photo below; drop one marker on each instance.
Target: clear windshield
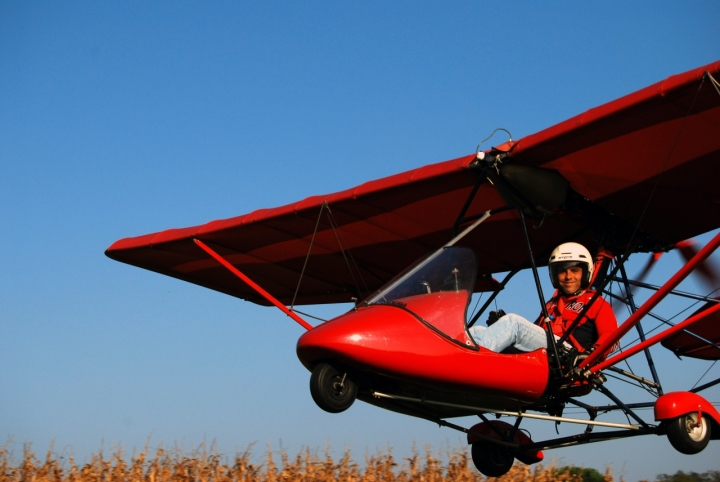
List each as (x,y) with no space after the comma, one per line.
(450,269)
(437,290)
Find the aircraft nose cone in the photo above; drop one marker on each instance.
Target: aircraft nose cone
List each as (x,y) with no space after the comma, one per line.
(373,337)
(337,339)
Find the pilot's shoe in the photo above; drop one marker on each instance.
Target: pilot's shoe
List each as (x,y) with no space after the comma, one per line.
(493,316)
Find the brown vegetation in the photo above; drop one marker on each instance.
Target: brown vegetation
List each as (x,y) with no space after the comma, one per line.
(307,466)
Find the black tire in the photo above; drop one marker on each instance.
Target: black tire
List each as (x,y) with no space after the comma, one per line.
(492,460)
(686,437)
(331,389)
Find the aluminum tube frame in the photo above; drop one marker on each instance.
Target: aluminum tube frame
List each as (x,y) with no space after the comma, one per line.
(641,332)
(649,286)
(645,308)
(585,438)
(655,339)
(707,385)
(505,412)
(663,320)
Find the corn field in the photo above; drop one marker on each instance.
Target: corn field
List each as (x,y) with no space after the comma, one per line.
(307,466)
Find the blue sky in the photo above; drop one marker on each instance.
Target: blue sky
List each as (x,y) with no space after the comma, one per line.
(120,119)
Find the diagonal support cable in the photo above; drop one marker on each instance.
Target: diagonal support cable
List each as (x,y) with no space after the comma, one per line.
(312,240)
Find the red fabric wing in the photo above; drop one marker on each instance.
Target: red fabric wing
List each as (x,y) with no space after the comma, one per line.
(685,344)
(651,158)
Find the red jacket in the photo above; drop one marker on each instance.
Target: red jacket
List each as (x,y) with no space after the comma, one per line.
(597,325)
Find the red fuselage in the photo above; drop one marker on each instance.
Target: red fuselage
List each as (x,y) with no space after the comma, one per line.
(391,342)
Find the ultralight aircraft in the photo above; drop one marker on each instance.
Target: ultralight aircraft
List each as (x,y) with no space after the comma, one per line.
(637,175)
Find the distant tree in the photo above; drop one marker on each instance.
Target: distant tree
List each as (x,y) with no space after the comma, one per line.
(680,476)
(589,474)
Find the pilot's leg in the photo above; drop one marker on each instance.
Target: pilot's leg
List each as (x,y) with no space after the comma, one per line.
(510,330)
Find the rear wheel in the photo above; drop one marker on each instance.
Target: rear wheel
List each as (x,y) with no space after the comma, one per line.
(687,435)
(331,389)
(492,460)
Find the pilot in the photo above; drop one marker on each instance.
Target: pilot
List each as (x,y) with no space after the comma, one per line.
(571,268)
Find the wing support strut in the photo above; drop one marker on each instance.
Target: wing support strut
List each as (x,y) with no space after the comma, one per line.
(655,339)
(645,309)
(668,322)
(252,284)
(461,217)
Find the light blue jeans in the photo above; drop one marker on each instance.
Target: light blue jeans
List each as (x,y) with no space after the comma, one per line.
(510,330)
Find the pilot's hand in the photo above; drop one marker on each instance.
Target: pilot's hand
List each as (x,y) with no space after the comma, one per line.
(494,316)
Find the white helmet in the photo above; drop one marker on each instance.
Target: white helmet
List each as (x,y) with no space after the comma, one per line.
(568,255)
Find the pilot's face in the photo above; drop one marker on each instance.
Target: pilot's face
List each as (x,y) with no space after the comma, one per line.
(569,279)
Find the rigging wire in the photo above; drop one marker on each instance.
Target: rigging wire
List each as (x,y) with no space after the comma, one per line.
(309,315)
(714,82)
(657,327)
(476,305)
(340,239)
(639,385)
(667,321)
(312,240)
(625,295)
(703,375)
(336,231)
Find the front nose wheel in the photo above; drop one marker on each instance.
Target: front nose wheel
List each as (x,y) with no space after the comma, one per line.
(331,389)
